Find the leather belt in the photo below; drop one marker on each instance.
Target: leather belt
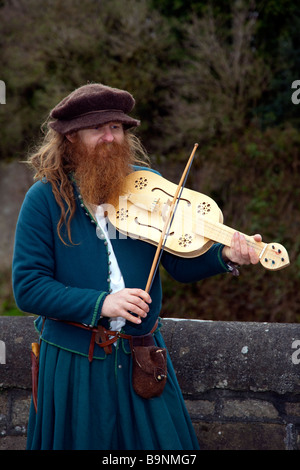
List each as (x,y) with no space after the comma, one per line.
(105,338)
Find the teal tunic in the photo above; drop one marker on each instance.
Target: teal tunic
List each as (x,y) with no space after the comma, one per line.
(82,404)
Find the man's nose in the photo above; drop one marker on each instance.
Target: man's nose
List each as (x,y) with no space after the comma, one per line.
(107,135)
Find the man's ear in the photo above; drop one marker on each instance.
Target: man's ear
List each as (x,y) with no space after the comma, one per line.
(71,137)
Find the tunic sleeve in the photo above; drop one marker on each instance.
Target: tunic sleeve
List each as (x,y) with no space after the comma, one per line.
(35,288)
(195,269)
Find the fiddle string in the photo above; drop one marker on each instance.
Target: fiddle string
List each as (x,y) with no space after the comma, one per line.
(211,229)
(169,228)
(168,224)
(222,230)
(227,232)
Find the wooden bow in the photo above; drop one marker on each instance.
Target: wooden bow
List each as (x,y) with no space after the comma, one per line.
(169,220)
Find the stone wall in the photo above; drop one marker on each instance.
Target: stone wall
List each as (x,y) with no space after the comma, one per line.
(241,381)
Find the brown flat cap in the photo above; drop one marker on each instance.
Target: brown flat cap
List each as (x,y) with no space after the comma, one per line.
(92,105)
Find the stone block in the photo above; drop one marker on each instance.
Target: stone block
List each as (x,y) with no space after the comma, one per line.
(249,409)
(240,436)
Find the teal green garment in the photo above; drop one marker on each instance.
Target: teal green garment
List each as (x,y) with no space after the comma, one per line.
(70,282)
(82,404)
(92,406)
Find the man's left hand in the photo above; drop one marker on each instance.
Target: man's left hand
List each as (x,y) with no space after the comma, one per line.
(239,251)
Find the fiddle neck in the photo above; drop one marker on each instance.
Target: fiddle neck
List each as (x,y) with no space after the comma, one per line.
(221,233)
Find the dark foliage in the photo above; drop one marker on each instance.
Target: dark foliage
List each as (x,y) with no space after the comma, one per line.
(216,73)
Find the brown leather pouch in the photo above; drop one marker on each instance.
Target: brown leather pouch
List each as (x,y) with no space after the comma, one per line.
(149,370)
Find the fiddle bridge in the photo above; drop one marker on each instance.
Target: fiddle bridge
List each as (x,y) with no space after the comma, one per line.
(136,200)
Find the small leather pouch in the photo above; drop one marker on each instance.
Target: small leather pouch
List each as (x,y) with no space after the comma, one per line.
(149,370)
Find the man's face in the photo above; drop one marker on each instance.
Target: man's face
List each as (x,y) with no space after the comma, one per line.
(101,157)
(106,133)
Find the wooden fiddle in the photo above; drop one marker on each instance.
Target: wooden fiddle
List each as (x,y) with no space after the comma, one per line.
(143,208)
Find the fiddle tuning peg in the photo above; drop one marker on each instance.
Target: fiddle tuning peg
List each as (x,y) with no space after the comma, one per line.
(274,257)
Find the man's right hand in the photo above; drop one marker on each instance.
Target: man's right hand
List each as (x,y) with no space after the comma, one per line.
(125,302)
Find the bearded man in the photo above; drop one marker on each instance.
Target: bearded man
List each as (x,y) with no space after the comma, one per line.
(88,289)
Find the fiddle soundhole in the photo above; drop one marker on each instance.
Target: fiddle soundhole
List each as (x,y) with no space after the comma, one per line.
(185,240)
(150,226)
(141,183)
(122,214)
(203,208)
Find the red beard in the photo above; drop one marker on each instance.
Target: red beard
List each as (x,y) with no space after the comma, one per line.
(100,172)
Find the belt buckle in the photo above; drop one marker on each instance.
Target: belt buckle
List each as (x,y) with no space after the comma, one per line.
(101,336)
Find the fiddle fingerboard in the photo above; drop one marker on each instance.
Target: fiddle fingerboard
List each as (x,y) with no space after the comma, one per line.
(223,234)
